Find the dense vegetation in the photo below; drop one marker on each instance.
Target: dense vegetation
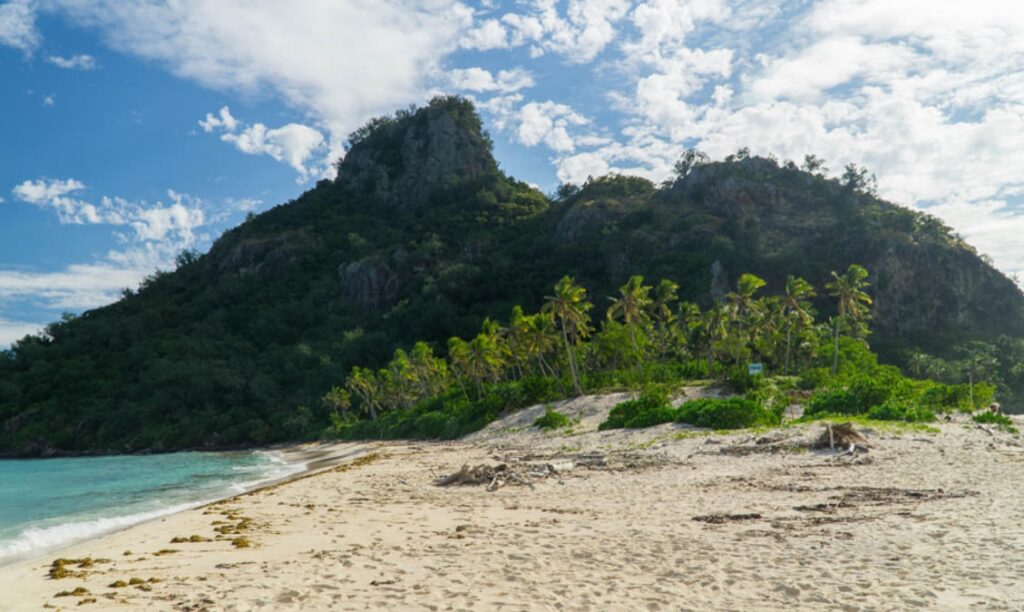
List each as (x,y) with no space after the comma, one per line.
(423,237)
(649,339)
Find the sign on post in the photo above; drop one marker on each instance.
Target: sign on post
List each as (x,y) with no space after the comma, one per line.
(755,369)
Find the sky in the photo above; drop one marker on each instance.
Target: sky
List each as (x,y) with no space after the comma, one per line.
(131,131)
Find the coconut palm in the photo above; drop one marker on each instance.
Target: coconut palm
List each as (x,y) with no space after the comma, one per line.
(362,382)
(797,310)
(632,307)
(742,302)
(853,306)
(569,307)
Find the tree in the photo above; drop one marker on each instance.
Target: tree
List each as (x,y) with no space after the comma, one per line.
(815,165)
(632,307)
(796,310)
(339,400)
(742,303)
(853,306)
(362,382)
(856,179)
(487,356)
(666,294)
(690,159)
(569,307)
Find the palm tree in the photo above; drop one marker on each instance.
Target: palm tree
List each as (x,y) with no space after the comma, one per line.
(742,301)
(664,297)
(569,307)
(486,357)
(797,310)
(632,308)
(540,338)
(458,361)
(853,305)
(715,325)
(362,382)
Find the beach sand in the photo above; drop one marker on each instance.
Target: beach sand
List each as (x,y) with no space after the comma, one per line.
(666,518)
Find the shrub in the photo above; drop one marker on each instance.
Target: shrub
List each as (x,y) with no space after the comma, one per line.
(727,413)
(552,419)
(894,411)
(999,420)
(835,401)
(650,408)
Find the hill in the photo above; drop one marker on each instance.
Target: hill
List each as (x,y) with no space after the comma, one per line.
(422,236)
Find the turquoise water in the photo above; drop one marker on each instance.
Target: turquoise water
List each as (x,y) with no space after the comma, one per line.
(49,503)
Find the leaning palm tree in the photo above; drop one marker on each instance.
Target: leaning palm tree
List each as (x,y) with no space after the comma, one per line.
(665,296)
(797,310)
(569,307)
(632,308)
(853,306)
(362,382)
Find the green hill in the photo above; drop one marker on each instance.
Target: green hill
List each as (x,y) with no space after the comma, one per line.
(422,236)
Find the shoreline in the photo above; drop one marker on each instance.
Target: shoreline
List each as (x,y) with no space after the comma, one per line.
(742,520)
(311,456)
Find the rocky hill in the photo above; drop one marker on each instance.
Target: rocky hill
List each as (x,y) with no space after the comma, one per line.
(421,236)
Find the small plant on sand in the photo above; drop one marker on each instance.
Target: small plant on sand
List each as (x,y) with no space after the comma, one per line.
(118,584)
(551,419)
(1001,421)
(242,542)
(166,551)
(78,592)
(136,581)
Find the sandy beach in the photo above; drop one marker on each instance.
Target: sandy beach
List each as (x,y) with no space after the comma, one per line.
(666,518)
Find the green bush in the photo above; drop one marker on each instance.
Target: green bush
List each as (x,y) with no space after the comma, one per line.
(650,408)
(727,413)
(999,420)
(551,419)
(893,411)
(834,401)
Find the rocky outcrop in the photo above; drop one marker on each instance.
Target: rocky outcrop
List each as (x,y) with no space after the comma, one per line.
(404,162)
(371,285)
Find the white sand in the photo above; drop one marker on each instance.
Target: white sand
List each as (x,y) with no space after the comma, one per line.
(932,521)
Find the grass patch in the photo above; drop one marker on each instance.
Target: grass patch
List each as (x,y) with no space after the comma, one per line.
(1001,421)
(864,422)
(79,592)
(242,542)
(552,419)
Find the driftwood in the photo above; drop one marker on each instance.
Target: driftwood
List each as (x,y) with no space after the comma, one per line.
(841,435)
(497,476)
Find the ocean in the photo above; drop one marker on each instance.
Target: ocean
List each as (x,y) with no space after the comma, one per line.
(46,504)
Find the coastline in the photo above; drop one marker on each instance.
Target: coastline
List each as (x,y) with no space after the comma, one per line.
(672,517)
(301,458)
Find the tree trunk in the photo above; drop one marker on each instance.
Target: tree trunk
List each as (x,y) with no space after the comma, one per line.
(789,344)
(835,348)
(572,363)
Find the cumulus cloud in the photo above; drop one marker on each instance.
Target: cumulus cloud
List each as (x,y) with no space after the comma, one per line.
(294,144)
(18,27)
(480,80)
(152,234)
(548,122)
(75,62)
(303,52)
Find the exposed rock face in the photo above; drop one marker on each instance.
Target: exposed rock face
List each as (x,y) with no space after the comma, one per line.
(719,281)
(371,285)
(406,162)
(583,219)
(257,257)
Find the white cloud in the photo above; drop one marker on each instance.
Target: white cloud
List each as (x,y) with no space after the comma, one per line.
(50,100)
(480,80)
(12,331)
(314,54)
(300,146)
(579,33)
(222,120)
(548,122)
(75,62)
(17,26)
(490,34)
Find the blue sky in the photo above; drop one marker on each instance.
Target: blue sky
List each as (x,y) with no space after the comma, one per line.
(134,130)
